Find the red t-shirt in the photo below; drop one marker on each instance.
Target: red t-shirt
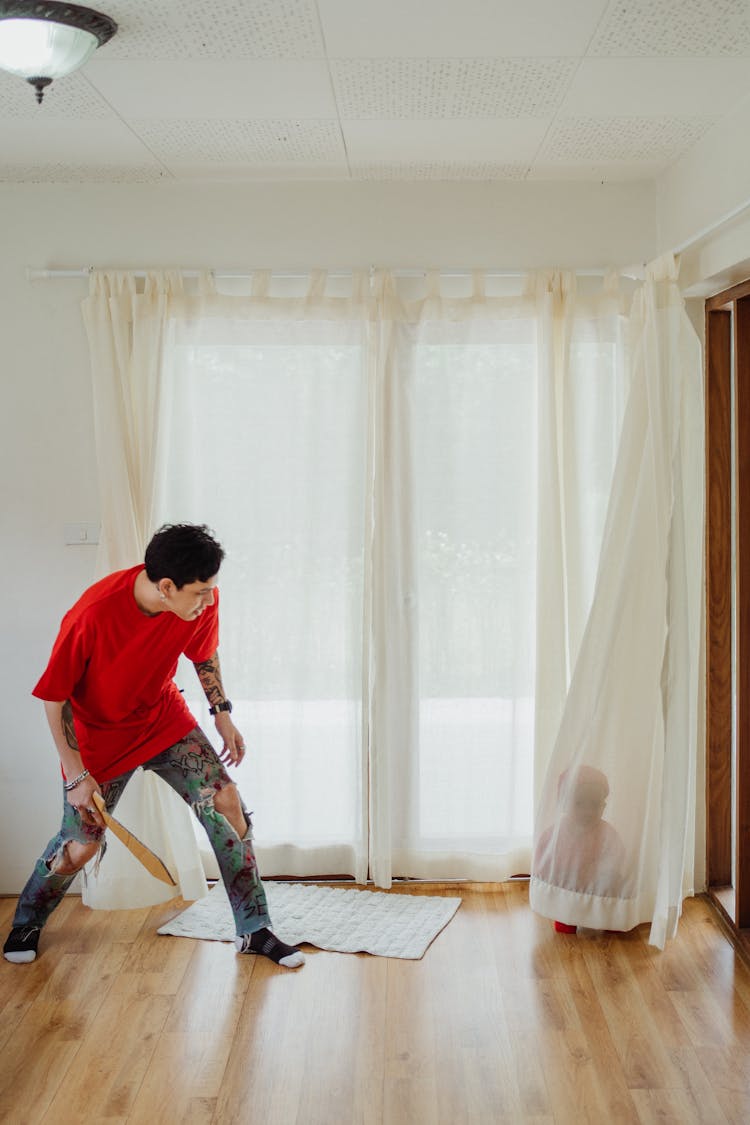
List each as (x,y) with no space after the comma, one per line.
(116,665)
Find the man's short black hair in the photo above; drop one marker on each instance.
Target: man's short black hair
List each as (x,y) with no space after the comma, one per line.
(184,552)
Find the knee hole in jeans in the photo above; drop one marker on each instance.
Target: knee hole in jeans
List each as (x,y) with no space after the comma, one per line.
(72,857)
(227,803)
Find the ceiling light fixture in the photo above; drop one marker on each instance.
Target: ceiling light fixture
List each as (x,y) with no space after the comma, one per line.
(41,41)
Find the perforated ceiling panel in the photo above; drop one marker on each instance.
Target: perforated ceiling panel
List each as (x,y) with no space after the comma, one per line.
(414,101)
(674,27)
(217,29)
(624,138)
(79,174)
(238,142)
(438,170)
(70,97)
(413,88)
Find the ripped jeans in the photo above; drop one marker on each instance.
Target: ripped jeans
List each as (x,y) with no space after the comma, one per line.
(193,769)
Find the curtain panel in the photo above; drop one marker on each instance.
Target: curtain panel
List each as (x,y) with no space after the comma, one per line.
(126,319)
(411,478)
(629,730)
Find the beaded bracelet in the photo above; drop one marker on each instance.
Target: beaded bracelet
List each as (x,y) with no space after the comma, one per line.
(68,785)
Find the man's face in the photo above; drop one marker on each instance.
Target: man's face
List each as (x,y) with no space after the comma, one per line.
(191,599)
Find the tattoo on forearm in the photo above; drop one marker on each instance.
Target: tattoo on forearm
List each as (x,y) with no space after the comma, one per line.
(209,674)
(69,729)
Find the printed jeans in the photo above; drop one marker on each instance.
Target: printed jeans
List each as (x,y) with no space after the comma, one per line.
(194,770)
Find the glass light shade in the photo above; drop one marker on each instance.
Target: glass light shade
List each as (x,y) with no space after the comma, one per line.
(34,48)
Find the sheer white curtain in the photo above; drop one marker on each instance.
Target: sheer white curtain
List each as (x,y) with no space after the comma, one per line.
(125,320)
(267,439)
(411,479)
(497,421)
(615,823)
(372,461)
(583,382)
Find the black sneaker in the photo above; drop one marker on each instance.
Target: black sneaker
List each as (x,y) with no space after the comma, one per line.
(21,944)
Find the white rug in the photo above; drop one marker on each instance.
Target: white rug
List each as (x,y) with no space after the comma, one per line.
(345,920)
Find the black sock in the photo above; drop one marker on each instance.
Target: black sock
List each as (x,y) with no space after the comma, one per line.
(268,945)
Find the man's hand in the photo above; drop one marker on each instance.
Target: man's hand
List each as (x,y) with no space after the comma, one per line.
(60,718)
(233,750)
(81,798)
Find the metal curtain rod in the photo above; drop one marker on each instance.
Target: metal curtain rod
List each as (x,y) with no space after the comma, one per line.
(34,274)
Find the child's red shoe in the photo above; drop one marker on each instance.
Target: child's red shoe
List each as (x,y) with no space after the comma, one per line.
(564,928)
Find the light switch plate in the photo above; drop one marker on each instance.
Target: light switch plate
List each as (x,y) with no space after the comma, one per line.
(81,534)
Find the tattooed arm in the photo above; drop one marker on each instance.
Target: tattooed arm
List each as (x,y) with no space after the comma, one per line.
(60,719)
(209,674)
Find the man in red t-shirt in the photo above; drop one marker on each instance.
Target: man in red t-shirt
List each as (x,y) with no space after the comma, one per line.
(112,705)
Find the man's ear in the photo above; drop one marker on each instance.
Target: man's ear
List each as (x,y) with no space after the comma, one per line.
(165,586)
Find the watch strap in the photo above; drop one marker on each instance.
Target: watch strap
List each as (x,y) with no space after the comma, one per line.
(225,706)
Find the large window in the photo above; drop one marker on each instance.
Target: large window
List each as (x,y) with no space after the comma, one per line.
(348,467)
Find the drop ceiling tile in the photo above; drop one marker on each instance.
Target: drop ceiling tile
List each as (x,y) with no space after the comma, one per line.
(242,142)
(220,29)
(66,97)
(64,172)
(681,87)
(451,88)
(674,27)
(465,142)
(206,89)
(446,28)
(52,141)
(629,139)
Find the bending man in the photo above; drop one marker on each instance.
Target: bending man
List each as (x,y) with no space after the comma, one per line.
(112,705)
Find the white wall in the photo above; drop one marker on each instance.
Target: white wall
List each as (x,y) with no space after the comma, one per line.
(709,184)
(49,474)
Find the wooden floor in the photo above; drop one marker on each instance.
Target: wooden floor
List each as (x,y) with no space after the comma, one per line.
(501,1021)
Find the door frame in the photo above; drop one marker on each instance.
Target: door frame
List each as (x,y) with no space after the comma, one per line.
(728,347)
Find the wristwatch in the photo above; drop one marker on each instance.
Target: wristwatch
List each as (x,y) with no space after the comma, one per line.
(225,706)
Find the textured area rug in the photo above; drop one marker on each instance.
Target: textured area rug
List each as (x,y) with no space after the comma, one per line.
(344,920)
